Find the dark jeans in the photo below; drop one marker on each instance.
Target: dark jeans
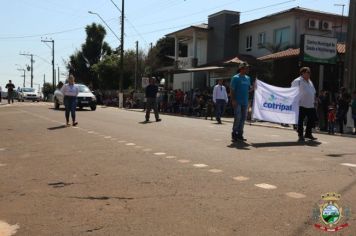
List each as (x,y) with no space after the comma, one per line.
(342,119)
(331,129)
(151,104)
(220,106)
(10,96)
(70,103)
(240,114)
(308,113)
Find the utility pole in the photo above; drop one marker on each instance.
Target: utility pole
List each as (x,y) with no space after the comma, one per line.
(136,66)
(32,61)
(24,76)
(58,75)
(122,46)
(44,79)
(350,60)
(53,70)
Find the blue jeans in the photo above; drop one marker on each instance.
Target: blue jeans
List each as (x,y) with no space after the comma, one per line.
(70,104)
(240,114)
(220,106)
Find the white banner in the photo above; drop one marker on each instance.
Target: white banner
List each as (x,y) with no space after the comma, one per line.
(276,104)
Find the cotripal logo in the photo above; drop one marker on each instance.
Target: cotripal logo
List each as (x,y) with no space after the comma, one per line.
(277,104)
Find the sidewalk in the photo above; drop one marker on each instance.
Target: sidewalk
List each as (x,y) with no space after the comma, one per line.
(252,123)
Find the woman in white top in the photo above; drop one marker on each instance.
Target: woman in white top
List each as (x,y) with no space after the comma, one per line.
(70,92)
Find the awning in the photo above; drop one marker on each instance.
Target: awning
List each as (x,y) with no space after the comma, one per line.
(207,68)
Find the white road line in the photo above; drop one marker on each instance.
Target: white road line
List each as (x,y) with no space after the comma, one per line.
(241,178)
(348,164)
(8,230)
(138,147)
(295,195)
(107,137)
(2,149)
(200,165)
(91,132)
(1,164)
(170,157)
(130,144)
(215,171)
(266,186)
(160,153)
(121,141)
(183,161)
(147,150)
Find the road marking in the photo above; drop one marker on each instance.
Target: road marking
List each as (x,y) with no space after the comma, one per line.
(1,164)
(121,141)
(160,153)
(107,137)
(2,149)
(200,165)
(217,140)
(8,230)
(348,164)
(130,144)
(215,171)
(138,147)
(241,178)
(265,186)
(147,150)
(295,195)
(275,135)
(90,132)
(170,157)
(184,161)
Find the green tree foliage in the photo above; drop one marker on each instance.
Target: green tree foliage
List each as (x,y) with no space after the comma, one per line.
(47,89)
(157,56)
(92,51)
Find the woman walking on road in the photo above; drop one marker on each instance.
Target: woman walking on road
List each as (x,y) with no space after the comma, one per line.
(70,92)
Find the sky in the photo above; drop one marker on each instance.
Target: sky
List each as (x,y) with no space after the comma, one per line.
(25,22)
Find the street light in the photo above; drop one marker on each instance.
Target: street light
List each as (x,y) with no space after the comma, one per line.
(24,74)
(112,31)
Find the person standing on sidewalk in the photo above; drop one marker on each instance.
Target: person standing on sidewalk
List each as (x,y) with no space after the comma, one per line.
(353,109)
(151,99)
(240,88)
(220,99)
(70,92)
(10,91)
(306,103)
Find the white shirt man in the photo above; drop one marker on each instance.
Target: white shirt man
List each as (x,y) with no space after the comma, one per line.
(220,99)
(306,103)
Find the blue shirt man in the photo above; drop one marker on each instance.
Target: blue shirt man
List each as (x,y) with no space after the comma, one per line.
(240,87)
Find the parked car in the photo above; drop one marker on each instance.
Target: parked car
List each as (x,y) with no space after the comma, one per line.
(30,94)
(85,98)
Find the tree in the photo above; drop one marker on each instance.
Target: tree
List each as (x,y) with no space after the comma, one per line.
(92,51)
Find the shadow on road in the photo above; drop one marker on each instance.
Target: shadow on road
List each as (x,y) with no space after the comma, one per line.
(62,109)
(57,127)
(240,145)
(341,154)
(286,144)
(145,122)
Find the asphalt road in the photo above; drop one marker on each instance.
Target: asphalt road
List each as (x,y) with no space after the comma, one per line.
(115,175)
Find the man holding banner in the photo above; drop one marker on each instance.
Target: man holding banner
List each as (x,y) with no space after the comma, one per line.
(306,103)
(287,105)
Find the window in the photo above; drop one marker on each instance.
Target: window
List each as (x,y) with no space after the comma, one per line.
(261,39)
(281,36)
(249,43)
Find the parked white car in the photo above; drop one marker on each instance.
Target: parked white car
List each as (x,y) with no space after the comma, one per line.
(30,94)
(85,98)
